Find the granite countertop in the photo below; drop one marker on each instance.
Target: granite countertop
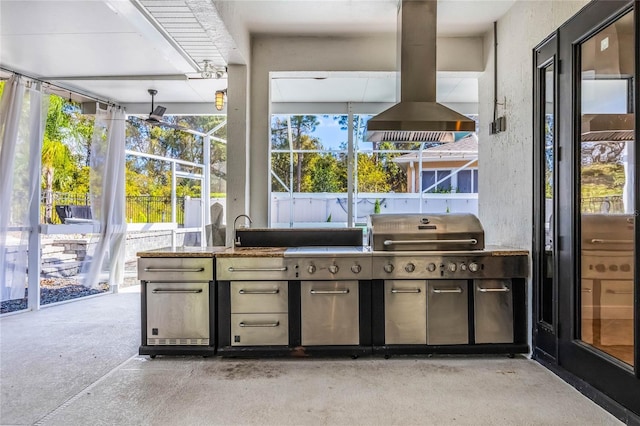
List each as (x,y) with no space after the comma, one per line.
(280,252)
(506,251)
(182,252)
(252,252)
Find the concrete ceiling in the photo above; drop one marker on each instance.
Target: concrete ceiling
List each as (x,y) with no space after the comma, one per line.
(117,49)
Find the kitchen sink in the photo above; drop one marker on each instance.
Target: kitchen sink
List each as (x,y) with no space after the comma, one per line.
(288,237)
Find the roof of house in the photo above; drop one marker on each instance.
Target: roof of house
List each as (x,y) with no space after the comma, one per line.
(464,149)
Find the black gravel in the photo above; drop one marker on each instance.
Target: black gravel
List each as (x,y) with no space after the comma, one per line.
(49,295)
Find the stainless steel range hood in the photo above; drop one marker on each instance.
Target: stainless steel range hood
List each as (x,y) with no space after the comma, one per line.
(417,117)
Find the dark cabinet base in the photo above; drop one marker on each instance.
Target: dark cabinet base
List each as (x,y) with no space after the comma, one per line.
(152,351)
(297,352)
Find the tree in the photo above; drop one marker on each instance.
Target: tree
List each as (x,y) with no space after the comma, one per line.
(371,175)
(325,176)
(301,128)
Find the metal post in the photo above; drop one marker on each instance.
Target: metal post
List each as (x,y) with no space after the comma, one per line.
(350,161)
(173,202)
(291,182)
(206,188)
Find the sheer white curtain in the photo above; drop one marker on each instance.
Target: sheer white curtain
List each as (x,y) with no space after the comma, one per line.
(106,184)
(23,111)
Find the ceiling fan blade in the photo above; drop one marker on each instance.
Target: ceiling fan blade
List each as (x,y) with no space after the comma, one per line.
(158,113)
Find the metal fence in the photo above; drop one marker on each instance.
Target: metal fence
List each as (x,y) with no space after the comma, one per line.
(138,209)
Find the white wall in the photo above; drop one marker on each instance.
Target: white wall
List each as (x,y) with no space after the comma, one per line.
(505,160)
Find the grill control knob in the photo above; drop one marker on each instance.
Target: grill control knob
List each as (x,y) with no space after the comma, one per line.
(311,269)
(625,267)
(452,267)
(463,266)
(473,267)
(333,268)
(388,268)
(356,268)
(431,267)
(410,267)
(600,267)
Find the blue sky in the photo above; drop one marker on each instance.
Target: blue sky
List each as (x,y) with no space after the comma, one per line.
(329,132)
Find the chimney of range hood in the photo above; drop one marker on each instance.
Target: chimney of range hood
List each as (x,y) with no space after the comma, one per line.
(417,117)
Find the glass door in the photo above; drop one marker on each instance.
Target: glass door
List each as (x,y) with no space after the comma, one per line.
(606,189)
(595,259)
(545,159)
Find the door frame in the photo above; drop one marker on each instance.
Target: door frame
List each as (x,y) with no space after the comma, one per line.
(609,382)
(544,335)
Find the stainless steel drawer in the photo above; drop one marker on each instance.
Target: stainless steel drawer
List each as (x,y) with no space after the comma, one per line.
(259,329)
(447,312)
(405,312)
(259,297)
(493,305)
(179,269)
(252,268)
(177,313)
(330,313)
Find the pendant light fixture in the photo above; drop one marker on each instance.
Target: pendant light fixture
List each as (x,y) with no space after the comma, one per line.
(220,98)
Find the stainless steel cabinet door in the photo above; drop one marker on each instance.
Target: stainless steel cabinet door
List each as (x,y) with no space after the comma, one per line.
(330,313)
(177,311)
(493,303)
(405,312)
(447,312)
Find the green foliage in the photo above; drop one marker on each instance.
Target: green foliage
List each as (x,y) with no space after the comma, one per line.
(602,180)
(371,175)
(376,206)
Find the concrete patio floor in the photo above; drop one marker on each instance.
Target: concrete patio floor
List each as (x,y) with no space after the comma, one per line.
(77,364)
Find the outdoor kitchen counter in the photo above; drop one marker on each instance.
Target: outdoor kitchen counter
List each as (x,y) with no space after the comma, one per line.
(182,252)
(252,252)
(506,251)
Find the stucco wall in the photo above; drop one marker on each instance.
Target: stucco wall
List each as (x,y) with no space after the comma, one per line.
(506,166)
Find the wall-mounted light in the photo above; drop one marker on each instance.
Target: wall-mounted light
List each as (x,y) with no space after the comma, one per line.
(220,96)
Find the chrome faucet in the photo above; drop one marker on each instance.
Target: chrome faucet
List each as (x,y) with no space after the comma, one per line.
(236,239)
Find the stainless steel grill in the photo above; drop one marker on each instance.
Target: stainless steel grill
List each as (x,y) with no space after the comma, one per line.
(429,263)
(406,232)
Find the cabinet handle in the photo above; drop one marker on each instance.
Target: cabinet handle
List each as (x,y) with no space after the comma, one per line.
(345,291)
(471,241)
(602,241)
(503,289)
(243,291)
(405,290)
(174,269)
(260,324)
(620,291)
(161,290)
(587,290)
(448,290)
(232,269)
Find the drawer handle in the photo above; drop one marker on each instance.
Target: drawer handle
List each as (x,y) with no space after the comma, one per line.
(174,269)
(405,290)
(161,290)
(260,324)
(243,291)
(503,289)
(603,241)
(620,291)
(449,290)
(345,291)
(471,241)
(232,269)
(587,290)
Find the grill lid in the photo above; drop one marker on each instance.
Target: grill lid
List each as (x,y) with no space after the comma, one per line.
(420,232)
(607,232)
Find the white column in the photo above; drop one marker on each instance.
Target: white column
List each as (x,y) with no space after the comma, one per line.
(238,175)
